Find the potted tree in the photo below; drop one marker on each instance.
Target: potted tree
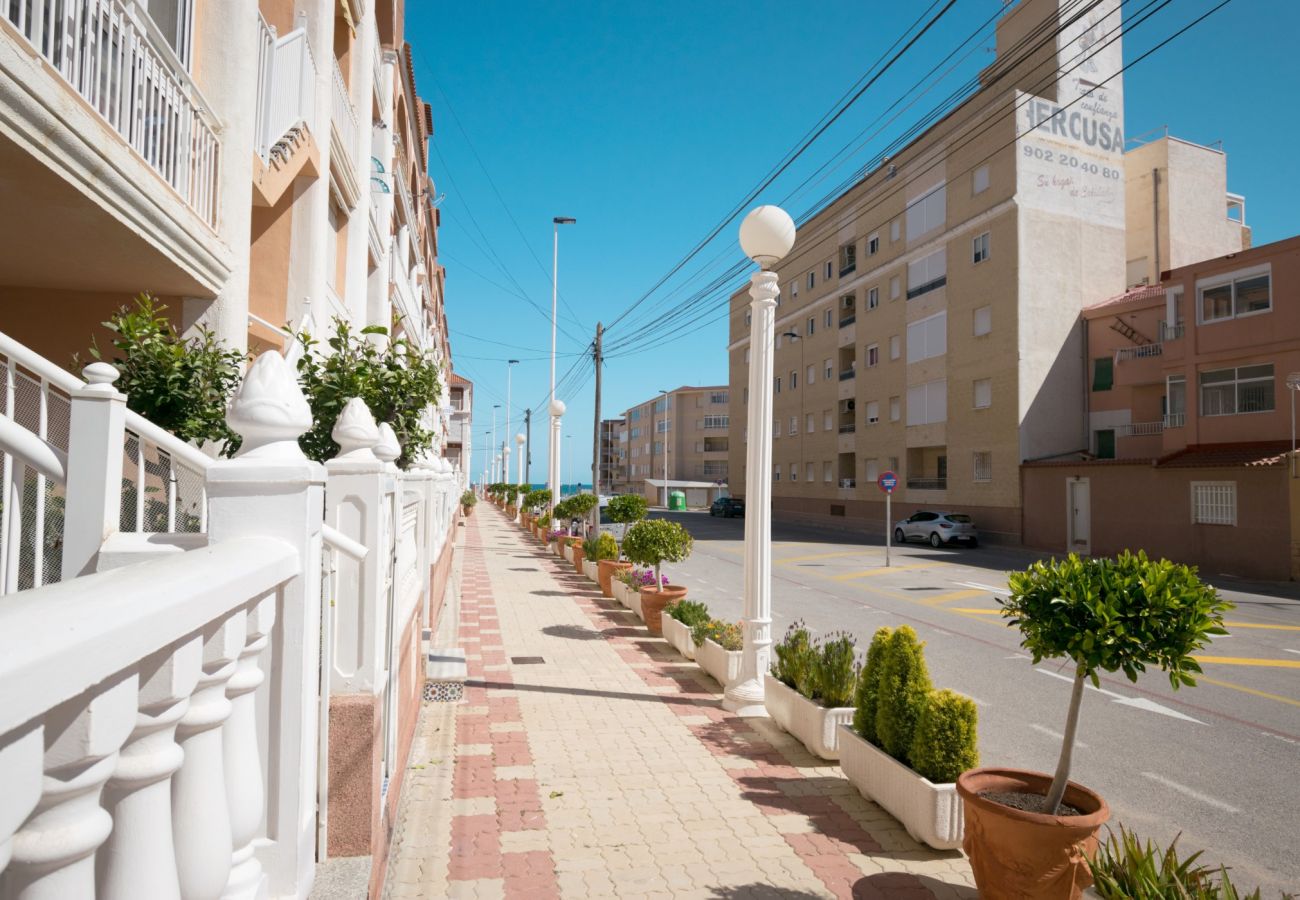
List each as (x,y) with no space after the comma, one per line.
(810,690)
(1032,834)
(467,501)
(653,542)
(599,549)
(537,503)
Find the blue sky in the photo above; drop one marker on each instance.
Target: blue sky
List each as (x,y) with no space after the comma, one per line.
(648,123)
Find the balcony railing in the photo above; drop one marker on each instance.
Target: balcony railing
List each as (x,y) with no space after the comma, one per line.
(937,483)
(286,85)
(1175,420)
(846,321)
(849,428)
(847,374)
(1171,332)
(343,115)
(848,482)
(1140,429)
(135,83)
(1146,351)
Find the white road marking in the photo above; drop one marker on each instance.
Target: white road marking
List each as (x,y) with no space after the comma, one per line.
(976,700)
(1016,656)
(984,587)
(1141,703)
(1055,735)
(1292,651)
(1188,792)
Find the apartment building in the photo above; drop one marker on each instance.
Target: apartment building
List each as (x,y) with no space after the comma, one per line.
(459,449)
(1189,401)
(928,321)
(255,166)
(685,433)
(613,456)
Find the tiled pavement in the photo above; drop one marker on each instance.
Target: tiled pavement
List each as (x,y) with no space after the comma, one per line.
(609,769)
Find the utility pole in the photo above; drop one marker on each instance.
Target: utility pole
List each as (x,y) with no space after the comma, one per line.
(595,454)
(528,446)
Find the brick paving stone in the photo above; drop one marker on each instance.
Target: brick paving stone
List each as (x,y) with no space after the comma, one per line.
(611,769)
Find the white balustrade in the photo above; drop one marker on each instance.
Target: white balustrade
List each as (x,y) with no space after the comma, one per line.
(343,115)
(121,66)
(286,85)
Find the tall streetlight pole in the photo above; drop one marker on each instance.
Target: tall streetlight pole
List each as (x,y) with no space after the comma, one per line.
(556,406)
(665,439)
(519,445)
(505,437)
(493,445)
(766,235)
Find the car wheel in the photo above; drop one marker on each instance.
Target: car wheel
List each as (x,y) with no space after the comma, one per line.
(935,540)
(899,537)
(974,542)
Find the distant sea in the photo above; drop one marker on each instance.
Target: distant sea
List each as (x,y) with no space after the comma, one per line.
(565,489)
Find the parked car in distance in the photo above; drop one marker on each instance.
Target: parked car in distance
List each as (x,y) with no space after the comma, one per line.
(606,524)
(727,507)
(938,528)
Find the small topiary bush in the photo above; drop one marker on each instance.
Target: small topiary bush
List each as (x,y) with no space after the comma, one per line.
(606,547)
(653,542)
(835,671)
(539,499)
(945,744)
(689,612)
(904,684)
(627,508)
(868,693)
(794,657)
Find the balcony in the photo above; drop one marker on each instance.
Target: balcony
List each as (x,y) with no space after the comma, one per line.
(933,285)
(1175,420)
(118,62)
(849,428)
(1171,332)
(922,483)
(1141,429)
(847,374)
(286,88)
(848,483)
(343,138)
(1145,351)
(846,321)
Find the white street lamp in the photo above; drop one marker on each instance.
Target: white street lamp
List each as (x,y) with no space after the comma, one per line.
(553,465)
(505,440)
(1293,385)
(766,235)
(493,445)
(519,443)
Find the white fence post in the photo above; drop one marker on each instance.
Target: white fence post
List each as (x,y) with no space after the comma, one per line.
(271,490)
(94,491)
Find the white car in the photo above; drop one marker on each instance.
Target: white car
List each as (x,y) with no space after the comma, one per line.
(938,528)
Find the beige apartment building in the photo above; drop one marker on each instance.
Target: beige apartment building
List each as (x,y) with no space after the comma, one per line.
(685,432)
(928,322)
(613,456)
(254,165)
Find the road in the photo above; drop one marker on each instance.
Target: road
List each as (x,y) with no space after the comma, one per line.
(1219,762)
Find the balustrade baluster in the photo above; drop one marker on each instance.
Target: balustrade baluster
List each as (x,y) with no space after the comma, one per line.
(21,753)
(54,851)
(139,857)
(245,788)
(200,812)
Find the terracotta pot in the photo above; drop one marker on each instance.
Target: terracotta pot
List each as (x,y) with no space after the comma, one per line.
(1016,854)
(511,511)
(578,555)
(606,569)
(467,510)
(653,601)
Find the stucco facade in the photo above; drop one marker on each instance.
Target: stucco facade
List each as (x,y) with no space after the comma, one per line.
(691,425)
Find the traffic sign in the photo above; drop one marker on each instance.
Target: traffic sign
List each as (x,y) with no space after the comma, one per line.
(887,482)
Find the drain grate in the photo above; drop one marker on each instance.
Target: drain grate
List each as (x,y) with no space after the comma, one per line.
(527,660)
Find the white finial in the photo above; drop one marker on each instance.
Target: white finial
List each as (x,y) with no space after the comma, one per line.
(388,448)
(269,411)
(355,431)
(100,377)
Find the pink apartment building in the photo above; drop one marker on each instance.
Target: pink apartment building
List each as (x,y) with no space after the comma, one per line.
(1190,390)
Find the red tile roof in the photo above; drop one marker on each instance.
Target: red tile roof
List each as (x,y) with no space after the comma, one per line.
(460,381)
(1145,292)
(1205,456)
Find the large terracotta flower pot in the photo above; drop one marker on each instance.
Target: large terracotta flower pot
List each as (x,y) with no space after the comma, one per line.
(1016,854)
(606,570)
(653,601)
(467,510)
(511,511)
(579,555)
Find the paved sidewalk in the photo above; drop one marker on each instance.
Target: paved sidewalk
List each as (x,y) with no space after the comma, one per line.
(608,768)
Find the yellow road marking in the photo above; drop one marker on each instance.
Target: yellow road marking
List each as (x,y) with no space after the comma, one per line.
(938,599)
(1249,661)
(1261,625)
(861,551)
(879,570)
(974,611)
(1201,679)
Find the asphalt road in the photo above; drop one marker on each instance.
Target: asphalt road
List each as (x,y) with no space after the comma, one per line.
(1218,763)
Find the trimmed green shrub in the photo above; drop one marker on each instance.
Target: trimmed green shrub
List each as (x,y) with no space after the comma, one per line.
(606,547)
(793,661)
(627,508)
(868,693)
(835,671)
(469,498)
(538,499)
(904,684)
(689,612)
(580,505)
(653,542)
(945,743)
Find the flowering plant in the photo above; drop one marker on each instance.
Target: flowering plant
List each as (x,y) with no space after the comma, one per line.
(639,578)
(556,534)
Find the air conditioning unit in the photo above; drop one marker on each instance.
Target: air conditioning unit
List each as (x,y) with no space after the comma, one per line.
(850,405)
(846,302)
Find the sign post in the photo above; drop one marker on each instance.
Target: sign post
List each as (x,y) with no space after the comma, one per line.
(887,482)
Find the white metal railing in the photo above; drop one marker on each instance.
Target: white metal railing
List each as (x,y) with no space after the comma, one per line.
(1170,332)
(1145,351)
(1175,420)
(848,482)
(162,481)
(137,85)
(343,115)
(286,85)
(1140,429)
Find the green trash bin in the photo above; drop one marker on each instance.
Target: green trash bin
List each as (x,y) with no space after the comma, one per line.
(677,500)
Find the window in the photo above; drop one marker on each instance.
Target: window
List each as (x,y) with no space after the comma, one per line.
(777,388)
(699,446)
(794,380)
(794,472)
(873,412)
(927,403)
(873,244)
(794,424)
(794,289)
(826,318)
(830,370)
(895,409)
(810,376)
(927,273)
(1175,401)
(983,465)
(744,396)
(826,473)
(826,420)
(979,180)
(829,271)
(810,472)
(719,397)
(1103,373)
(927,337)
(925,214)
(808,426)
(663,425)
(848,259)
(1240,296)
(893,231)
(873,355)
(982,320)
(1214,502)
(812,280)
(846,303)
(894,288)
(893,463)
(812,325)
(749,318)
(636,432)
(746,356)
(980,248)
(1105,443)
(983,393)
(873,298)
(776,472)
(776,428)
(872,470)
(716,421)
(1247,389)
(895,346)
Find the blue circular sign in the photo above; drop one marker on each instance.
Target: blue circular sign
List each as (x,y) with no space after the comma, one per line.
(887,482)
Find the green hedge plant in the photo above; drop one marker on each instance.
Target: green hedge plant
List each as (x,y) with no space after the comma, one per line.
(689,612)
(1125,868)
(627,508)
(653,542)
(945,744)
(835,671)
(904,684)
(538,500)
(606,547)
(468,498)
(793,658)
(868,693)
(1112,615)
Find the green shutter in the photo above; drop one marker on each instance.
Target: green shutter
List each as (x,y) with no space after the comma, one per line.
(1106,444)
(1103,373)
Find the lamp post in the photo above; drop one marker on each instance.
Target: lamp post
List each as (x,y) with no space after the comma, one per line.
(556,406)
(519,444)
(665,434)
(493,445)
(766,235)
(505,439)
(1293,385)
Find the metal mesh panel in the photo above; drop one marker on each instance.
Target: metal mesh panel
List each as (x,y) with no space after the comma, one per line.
(191,499)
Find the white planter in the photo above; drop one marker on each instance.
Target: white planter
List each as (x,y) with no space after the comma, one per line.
(931,813)
(568,553)
(589,569)
(816,725)
(634,602)
(618,588)
(723,665)
(679,636)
